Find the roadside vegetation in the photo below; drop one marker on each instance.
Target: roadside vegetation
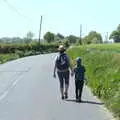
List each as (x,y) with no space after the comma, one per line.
(14,51)
(102,64)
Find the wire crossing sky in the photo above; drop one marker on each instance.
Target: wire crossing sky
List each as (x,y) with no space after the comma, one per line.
(15,10)
(17,17)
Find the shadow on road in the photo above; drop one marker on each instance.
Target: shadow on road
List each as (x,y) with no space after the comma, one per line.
(84,101)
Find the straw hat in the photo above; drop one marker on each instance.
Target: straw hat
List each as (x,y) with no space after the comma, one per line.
(61,48)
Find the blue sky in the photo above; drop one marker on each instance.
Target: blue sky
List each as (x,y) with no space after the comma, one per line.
(63,16)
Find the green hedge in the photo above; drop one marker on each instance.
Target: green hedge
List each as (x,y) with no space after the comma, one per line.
(12,48)
(13,51)
(7,57)
(103,72)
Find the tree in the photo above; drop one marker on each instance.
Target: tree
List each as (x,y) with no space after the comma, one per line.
(72,38)
(92,37)
(78,42)
(49,37)
(66,43)
(115,35)
(60,36)
(29,37)
(118,28)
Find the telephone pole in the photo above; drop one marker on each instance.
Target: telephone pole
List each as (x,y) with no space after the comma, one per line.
(106,37)
(80,34)
(40,30)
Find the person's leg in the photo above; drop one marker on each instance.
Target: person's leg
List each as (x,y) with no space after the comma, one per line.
(66,78)
(80,89)
(76,89)
(60,76)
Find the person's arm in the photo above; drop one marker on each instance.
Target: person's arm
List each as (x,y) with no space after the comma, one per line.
(55,68)
(54,72)
(70,66)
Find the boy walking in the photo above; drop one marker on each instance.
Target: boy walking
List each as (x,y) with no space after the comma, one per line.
(79,71)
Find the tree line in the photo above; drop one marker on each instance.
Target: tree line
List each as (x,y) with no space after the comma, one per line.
(93,37)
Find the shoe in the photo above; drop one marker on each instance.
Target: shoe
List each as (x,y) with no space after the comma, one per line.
(79,100)
(62,97)
(76,97)
(66,95)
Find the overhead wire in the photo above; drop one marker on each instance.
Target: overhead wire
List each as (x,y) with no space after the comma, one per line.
(14,9)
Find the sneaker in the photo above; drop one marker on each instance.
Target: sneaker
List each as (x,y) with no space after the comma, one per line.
(62,97)
(76,97)
(79,100)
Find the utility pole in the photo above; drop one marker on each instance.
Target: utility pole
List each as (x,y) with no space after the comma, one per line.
(40,30)
(106,37)
(80,34)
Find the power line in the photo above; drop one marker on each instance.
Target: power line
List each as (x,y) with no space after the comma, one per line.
(15,9)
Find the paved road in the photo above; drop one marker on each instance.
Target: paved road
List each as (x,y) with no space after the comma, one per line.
(28,92)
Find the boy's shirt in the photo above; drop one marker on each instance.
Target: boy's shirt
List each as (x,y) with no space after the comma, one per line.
(79,72)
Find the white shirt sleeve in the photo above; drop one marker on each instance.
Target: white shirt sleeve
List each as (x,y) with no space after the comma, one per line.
(56,58)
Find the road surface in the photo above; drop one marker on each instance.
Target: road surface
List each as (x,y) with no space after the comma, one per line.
(29,92)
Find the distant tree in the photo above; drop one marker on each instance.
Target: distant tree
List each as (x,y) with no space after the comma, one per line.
(72,38)
(93,37)
(115,35)
(1,41)
(49,37)
(118,28)
(30,35)
(86,40)
(60,36)
(17,40)
(66,43)
(95,40)
(28,38)
(78,42)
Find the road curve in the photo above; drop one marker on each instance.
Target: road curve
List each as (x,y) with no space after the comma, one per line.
(29,92)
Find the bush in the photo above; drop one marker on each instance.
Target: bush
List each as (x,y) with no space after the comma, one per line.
(14,51)
(20,53)
(13,48)
(102,72)
(66,43)
(7,57)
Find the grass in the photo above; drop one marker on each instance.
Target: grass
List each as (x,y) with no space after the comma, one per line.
(102,63)
(7,57)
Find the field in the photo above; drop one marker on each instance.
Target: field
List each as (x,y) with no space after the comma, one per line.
(102,64)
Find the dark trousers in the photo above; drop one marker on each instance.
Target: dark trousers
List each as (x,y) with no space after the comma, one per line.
(78,88)
(63,78)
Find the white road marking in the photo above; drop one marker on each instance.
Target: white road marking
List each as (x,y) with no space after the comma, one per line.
(13,84)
